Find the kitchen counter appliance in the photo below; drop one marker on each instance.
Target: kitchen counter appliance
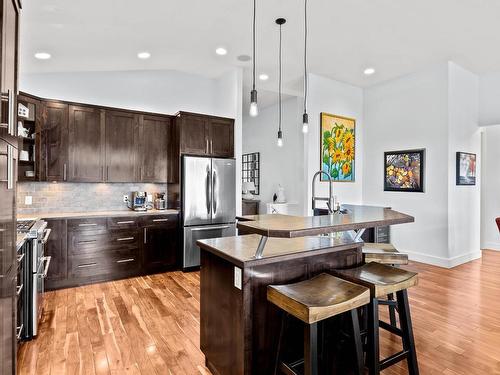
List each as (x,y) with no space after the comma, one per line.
(208,203)
(37,265)
(160,202)
(138,201)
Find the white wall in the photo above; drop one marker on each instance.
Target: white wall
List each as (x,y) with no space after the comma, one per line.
(327,95)
(408,113)
(489,97)
(279,165)
(490,190)
(162,91)
(464,134)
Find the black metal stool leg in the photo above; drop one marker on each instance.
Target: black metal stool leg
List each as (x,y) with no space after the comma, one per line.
(284,321)
(407,331)
(311,349)
(392,311)
(358,345)
(373,338)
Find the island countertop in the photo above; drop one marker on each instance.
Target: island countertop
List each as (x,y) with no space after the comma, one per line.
(287,226)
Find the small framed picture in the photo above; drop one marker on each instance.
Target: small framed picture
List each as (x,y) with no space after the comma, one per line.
(466,168)
(404,170)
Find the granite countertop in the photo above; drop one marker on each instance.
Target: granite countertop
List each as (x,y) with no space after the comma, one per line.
(240,250)
(288,226)
(77,214)
(21,239)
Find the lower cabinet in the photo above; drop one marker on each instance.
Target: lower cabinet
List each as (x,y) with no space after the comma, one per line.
(89,250)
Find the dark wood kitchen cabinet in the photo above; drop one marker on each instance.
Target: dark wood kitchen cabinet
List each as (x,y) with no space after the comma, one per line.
(160,242)
(85,145)
(54,137)
(121,143)
(154,143)
(56,247)
(206,135)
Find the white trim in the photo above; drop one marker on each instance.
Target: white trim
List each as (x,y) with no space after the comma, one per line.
(492,245)
(443,262)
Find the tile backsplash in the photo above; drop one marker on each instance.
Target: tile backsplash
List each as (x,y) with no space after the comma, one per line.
(72,197)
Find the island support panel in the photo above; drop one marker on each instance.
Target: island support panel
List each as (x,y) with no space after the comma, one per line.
(239,328)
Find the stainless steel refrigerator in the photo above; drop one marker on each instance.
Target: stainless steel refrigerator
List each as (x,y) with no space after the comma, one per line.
(208,203)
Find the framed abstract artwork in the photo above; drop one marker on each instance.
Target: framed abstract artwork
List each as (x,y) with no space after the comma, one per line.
(337,145)
(404,170)
(466,168)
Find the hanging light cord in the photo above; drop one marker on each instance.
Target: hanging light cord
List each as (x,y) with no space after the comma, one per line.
(253,34)
(305,56)
(279,88)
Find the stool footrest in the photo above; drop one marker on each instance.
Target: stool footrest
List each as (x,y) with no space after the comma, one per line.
(385,302)
(390,328)
(289,368)
(395,358)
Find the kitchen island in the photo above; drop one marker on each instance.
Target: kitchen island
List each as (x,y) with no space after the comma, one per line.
(239,328)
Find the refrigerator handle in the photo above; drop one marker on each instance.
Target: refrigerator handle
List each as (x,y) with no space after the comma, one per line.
(208,192)
(214,201)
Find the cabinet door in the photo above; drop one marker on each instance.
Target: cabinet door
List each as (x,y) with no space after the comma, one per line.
(86,129)
(194,135)
(221,137)
(121,130)
(161,240)
(7,208)
(55,141)
(8,323)
(9,67)
(154,148)
(56,247)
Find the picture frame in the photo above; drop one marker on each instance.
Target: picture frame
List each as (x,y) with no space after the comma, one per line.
(337,144)
(404,171)
(466,168)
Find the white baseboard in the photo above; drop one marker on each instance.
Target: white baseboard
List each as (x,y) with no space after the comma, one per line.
(443,262)
(492,246)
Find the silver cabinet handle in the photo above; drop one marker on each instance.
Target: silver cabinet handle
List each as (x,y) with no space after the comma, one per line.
(12,108)
(87,241)
(46,237)
(145,235)
(64,172)
(10,167)
(126,222)
(125,260)
(47,265)
(19,331)
(159,220)
(19,289)
(207,145)
(87,265)
(126,239)
(210,228)
(211,146)
(87,225)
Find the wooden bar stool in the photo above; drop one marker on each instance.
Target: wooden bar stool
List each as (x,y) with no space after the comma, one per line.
(383,280)
(385,253)
(313,301)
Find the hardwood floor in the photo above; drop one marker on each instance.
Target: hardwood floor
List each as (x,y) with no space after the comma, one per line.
(150,325)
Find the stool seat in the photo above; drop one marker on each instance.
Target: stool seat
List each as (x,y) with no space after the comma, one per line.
(380,278)
(384,253)
(318,298)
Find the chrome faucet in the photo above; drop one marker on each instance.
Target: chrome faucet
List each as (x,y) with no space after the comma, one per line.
(329,201)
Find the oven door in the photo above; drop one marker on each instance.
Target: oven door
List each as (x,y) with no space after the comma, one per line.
(38,291)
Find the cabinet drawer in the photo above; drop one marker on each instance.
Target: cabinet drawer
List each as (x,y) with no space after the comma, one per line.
(127,262)
(87,224)
(168,221)
(86,242)
(123,223)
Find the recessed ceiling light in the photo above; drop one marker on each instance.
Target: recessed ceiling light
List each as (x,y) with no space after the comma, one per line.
(42,55)
(263,77)
(144,55)
(221,51)
(369,71)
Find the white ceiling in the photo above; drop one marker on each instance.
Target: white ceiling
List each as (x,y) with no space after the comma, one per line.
(396,37)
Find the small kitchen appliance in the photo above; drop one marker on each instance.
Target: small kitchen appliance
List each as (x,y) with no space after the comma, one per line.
(138,201)
(160,201)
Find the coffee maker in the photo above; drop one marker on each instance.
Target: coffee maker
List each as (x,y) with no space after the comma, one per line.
(160,201)
(138,200)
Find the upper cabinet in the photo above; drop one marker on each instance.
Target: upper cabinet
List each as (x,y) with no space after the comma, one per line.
(122,133)
(54,139)
(86,154)
(154,145)
(206,135)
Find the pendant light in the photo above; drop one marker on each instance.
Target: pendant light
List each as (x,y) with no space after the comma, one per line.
(280,22)
(254,111)
(305,117)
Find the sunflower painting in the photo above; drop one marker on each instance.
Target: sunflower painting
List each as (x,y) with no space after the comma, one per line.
(338,141)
